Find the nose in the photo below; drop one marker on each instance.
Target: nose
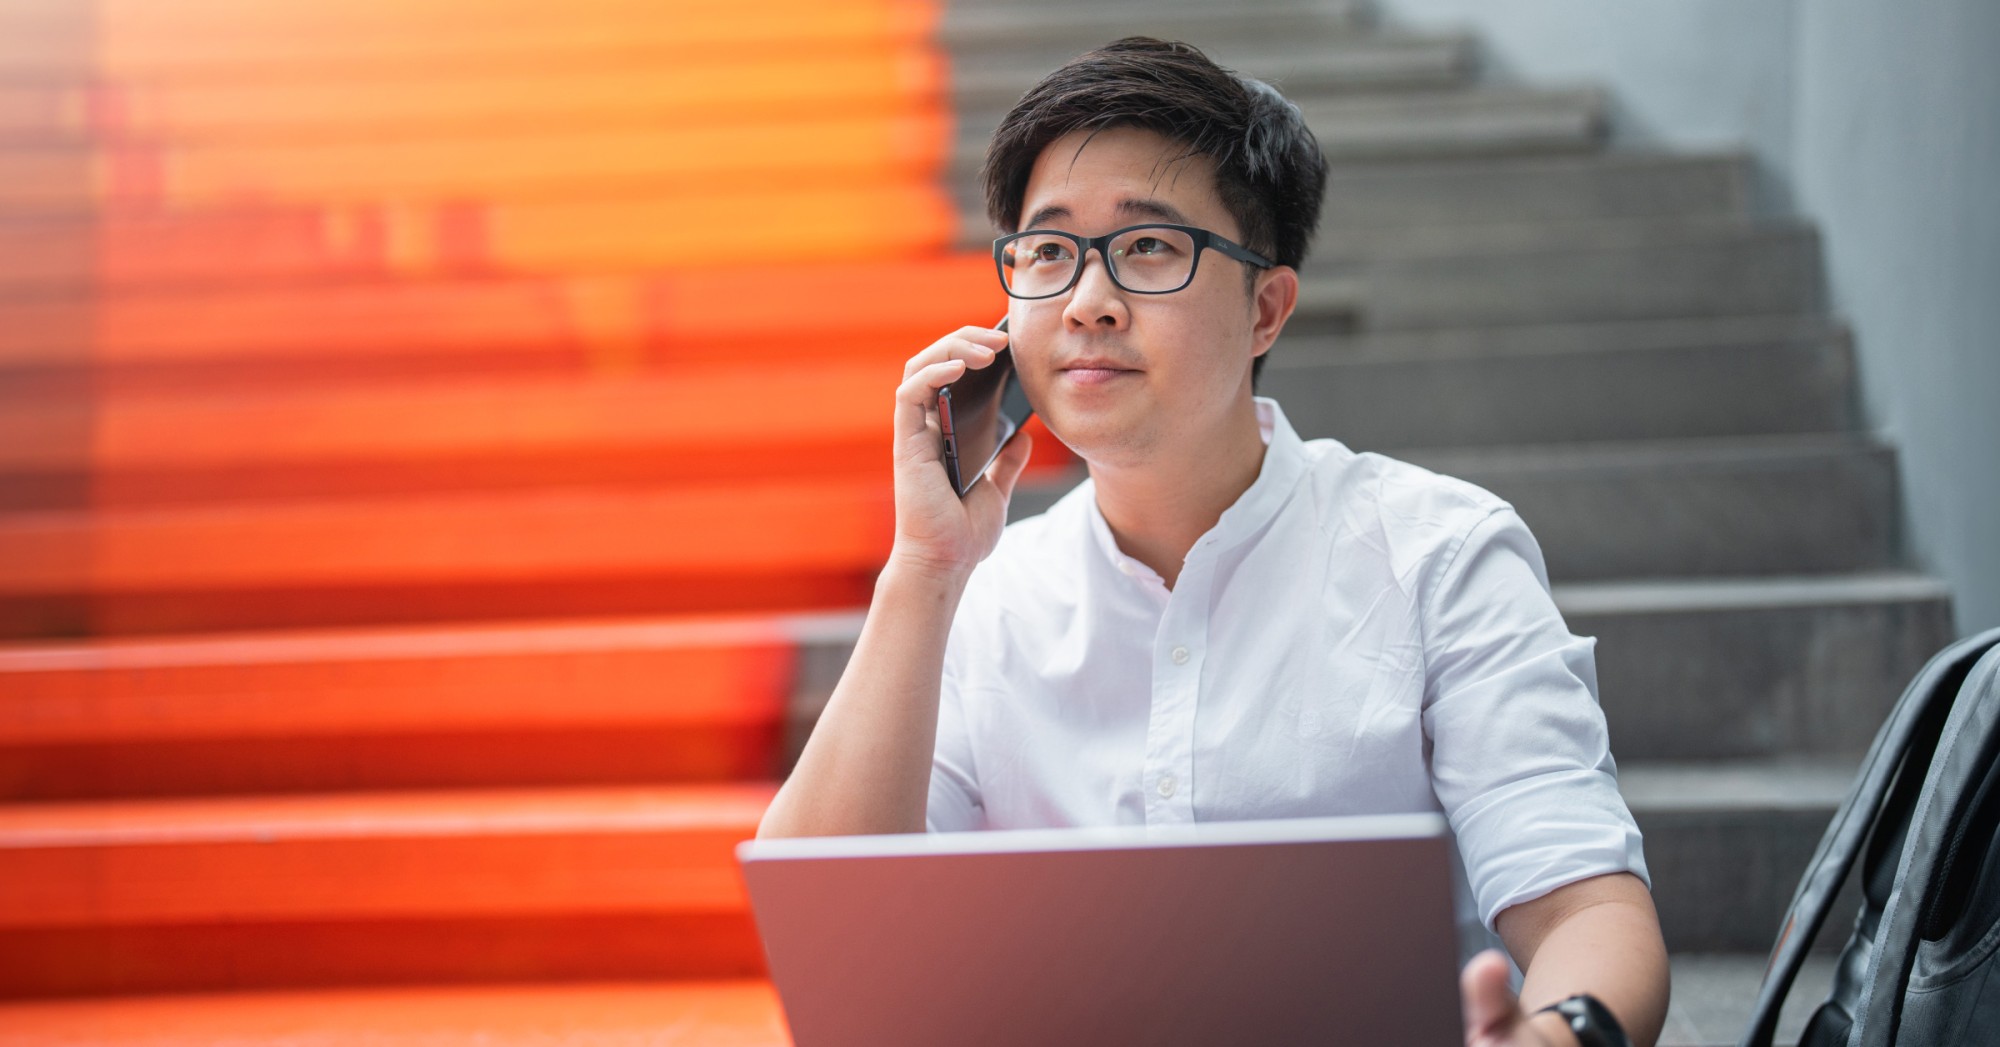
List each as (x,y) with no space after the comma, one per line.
(1095,303)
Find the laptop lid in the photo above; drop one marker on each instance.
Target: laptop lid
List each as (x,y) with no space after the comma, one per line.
(1236,932)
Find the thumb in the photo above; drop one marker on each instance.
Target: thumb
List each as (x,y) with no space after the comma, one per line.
(1491,1008)
(1013,458)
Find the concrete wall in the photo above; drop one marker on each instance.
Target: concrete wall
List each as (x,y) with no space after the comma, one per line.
(1878,120)
(1898,159)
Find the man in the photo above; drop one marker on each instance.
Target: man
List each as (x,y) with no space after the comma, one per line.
(1223,622)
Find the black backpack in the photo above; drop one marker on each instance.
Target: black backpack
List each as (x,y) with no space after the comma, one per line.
(1923,964)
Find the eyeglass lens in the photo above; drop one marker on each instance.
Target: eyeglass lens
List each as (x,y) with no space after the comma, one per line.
(1148,258)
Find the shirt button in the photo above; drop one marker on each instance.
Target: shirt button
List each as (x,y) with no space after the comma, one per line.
(1180,656)
(1168,785)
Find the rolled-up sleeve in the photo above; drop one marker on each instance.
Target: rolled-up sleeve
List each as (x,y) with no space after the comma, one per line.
(1520,757)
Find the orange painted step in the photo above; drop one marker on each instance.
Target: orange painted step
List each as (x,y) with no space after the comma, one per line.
(815,420)
(375,888)
(231,244)
(913,140)
(715,424)
(740,1013)
(795,546)
(647,700)
(138,37)
(281,105)
(740,312)
(607,228)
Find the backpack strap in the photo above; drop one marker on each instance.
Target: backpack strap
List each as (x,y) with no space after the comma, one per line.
(1847,834)
(1963,758)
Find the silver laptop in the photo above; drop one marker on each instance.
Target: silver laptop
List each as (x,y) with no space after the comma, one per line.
(1319,930)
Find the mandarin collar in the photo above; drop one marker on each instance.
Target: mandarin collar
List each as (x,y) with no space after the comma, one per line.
(1284,463)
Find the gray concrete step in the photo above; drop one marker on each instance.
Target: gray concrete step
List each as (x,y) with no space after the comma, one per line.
(1709,668)
(1714,993)
(1367,198)
(1511,340)
(1726,506)
(1535,189)
(1489,121)
(1362,247)
(1398,390)
(1406,125)
(1307,61)
(1568,274)
(1726,844)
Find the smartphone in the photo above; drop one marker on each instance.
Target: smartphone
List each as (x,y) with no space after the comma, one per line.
(978,414)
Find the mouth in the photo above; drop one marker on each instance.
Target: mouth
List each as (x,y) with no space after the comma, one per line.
(1091,372)
(1096,366)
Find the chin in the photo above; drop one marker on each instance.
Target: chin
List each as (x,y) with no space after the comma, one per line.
(1098,437)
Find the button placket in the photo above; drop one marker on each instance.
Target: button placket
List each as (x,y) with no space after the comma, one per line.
(1183,632)
(1173,711)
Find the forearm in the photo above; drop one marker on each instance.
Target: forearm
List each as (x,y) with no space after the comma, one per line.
(866,768)
(1611,949)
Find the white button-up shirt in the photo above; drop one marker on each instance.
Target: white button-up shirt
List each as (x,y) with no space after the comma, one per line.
(1355,635)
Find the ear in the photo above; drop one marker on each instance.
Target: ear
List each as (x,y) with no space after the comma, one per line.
(1271,302)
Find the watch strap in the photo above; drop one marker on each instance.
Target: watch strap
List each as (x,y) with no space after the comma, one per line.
(1591,1021)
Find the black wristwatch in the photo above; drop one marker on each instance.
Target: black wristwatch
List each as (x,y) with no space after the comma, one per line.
(1590,1020)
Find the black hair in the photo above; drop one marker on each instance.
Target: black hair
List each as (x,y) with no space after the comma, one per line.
(1269,170)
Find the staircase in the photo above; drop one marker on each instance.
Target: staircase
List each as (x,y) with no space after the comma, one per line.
(441,465)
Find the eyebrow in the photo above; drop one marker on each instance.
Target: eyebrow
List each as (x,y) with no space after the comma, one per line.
(1143,207)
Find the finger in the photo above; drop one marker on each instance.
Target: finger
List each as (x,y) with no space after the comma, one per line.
(920,388)
(1006,471)
(992,337)
(1488,995)
(972,353)
(954,347)
(914,400)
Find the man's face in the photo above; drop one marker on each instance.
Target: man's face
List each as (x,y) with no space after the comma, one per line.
(1123,377)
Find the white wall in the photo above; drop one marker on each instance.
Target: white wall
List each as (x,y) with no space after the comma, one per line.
(1880,121)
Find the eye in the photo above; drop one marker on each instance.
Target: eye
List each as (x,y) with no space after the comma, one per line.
(1150,245)
(1051,251)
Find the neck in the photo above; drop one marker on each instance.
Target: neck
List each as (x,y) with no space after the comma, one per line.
(1158,508)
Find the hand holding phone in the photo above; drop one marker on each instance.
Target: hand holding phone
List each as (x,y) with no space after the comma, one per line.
(978,414)
(946,520)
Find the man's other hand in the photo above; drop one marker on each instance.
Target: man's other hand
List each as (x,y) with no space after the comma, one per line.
(1493,1014)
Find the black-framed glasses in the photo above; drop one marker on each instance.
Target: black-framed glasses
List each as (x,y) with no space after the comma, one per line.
(1142,259)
